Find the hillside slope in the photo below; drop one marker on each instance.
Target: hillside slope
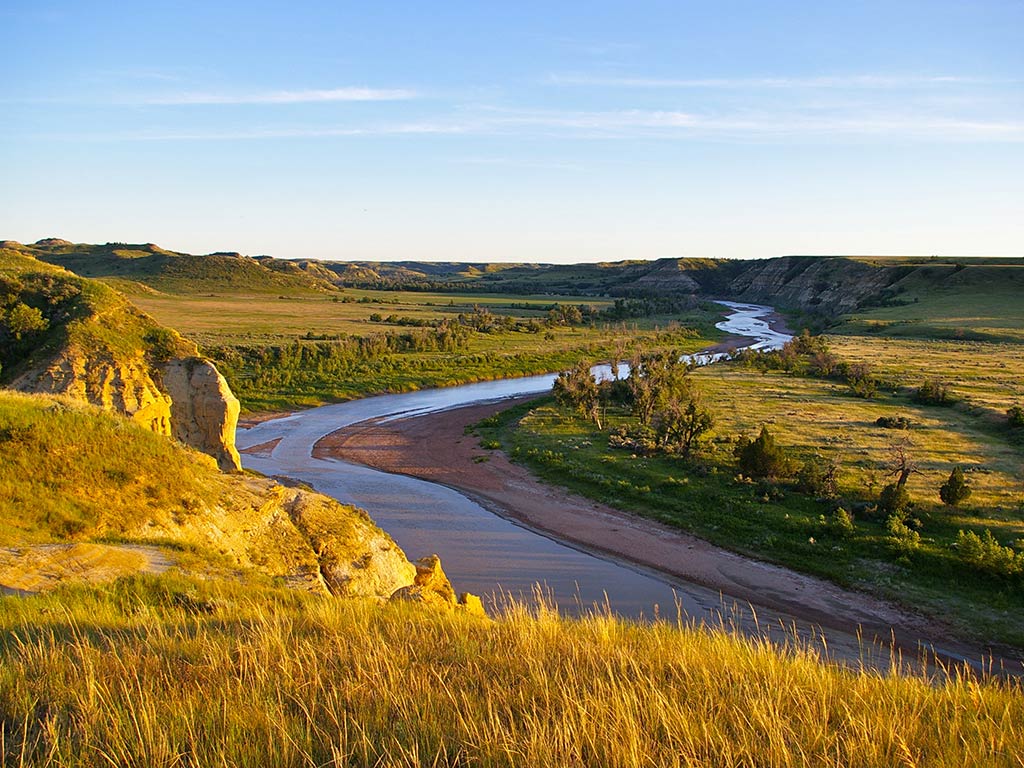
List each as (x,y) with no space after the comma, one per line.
(827,287)
(63,334)
(72,473)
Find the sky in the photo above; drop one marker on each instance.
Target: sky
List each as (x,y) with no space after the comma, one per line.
(517,131)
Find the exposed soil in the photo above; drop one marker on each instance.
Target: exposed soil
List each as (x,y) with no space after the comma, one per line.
(263,449)
(26,570)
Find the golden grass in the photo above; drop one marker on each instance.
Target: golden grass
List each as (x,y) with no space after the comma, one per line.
(139,676)
(814,415)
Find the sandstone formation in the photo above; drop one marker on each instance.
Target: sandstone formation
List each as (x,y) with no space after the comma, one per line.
(432,587)
(97,378)
(830,286)
(95,346)
(204,412)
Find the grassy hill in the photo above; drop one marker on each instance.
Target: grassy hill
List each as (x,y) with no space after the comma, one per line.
(44,308)
(174,272)
(73,473)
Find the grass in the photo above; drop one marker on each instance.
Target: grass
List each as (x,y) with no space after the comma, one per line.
(811,416)
(245,334)
(166,671)
(68,469)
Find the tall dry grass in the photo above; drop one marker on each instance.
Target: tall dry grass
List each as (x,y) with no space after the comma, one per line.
(159,672)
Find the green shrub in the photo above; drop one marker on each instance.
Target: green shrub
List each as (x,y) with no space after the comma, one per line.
(763,457)
(818,476)
(894,500)
(985,554)
(934,392)
(893,422)
(841,523)
(1015,416)
(902,537)
(955,489)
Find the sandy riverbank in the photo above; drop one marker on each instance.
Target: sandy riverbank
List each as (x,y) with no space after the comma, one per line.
(435,447)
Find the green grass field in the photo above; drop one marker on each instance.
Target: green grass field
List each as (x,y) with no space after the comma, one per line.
(243,332)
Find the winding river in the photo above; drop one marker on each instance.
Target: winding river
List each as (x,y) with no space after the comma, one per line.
(486,554)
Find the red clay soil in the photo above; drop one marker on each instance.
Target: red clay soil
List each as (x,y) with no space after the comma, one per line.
(435,447)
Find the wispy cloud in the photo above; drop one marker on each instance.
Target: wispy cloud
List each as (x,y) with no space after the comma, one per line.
(826,81)
(747,127)
(310,96)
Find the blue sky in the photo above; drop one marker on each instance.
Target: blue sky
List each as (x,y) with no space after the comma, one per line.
(526,131)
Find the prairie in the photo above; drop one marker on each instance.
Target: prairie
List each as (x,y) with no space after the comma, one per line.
(169,671)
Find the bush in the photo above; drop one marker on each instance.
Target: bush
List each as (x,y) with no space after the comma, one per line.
(1015,416)
(955,489)
(818,476)
(839,523)
(985,554)
(934,392)
(893,422)
(763,457)
(861,381)
(894,500)
(902,537)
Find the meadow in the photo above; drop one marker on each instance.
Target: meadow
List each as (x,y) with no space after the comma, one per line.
(280,351)
(170,671)
(821,419)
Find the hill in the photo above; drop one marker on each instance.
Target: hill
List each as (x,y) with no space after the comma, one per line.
(65,334)
(824,288)
(174,272)
(73,474)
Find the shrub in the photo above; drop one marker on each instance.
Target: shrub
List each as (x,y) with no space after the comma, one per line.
(893,422)
(1015,416)
(763,457)
(934,392)
(902,537)
(894,500)
(955,489)
(861,380)
(986,554)
(818,476)
(839,523)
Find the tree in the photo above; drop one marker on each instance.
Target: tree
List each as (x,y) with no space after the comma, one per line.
(656,380)
(22,319)
(763,457)
(955,489)
(1015,415)
(680,424)
(934,392)
(577,388)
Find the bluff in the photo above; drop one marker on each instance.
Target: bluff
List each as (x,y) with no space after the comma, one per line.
(75,473)
(63,334)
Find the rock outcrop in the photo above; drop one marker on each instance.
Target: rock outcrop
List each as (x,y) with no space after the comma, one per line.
(830,286)
(432,587)
(124,388)
(204,412)
(93,345)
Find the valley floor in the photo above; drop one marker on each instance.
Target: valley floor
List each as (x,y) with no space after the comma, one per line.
(436,447)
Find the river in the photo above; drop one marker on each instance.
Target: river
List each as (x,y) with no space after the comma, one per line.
(486,554)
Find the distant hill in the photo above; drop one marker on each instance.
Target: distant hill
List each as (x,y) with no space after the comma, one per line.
(178,272)
(824,286)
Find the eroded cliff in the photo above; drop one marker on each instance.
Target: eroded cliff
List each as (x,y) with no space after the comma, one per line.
(63,334)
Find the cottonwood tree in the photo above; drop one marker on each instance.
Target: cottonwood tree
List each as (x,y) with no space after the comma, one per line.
(680,424)
(656,380)
(577,388)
